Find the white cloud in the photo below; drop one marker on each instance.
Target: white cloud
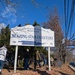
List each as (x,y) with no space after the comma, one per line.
(10,14)
(2,25)
(14,19)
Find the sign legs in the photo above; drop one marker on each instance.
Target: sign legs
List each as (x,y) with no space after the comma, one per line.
(15,63)
(49,65)
(16,53)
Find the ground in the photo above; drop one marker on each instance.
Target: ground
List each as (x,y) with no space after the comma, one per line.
(64,70)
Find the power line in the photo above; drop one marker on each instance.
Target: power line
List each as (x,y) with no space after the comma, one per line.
(71,16)
(71,38)
(65,16)
(68,15)
(67,9)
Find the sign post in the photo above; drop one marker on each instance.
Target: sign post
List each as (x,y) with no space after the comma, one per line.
(49,65)
(31,36)
(15,64)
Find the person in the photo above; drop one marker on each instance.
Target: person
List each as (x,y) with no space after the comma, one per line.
(26,59)
(42,59)
(55,61)
(19,61)
(3,52)
(35,60)
(45,60)
(38,58)
(52,61)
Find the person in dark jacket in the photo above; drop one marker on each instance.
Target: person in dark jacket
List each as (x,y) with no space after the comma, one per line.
(35,60)
(26,59)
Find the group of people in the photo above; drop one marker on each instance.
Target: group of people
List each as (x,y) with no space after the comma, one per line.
(39,59)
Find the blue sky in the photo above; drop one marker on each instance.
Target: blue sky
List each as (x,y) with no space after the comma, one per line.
(28,11)
(38,12)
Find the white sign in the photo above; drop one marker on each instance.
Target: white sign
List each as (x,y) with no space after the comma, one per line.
(32,36)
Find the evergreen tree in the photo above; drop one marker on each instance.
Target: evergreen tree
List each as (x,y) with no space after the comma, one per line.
(5,35)
(36,24)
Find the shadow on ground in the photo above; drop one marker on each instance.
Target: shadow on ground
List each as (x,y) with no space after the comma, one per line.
(41,72)
(62,73)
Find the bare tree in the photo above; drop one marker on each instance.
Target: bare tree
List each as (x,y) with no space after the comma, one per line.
(54,24)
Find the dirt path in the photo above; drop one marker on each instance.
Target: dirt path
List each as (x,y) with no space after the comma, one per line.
(64,70)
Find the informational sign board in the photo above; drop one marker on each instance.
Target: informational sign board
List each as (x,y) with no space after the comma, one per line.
(32,36)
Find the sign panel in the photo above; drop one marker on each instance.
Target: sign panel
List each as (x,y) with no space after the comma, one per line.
(32,36)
